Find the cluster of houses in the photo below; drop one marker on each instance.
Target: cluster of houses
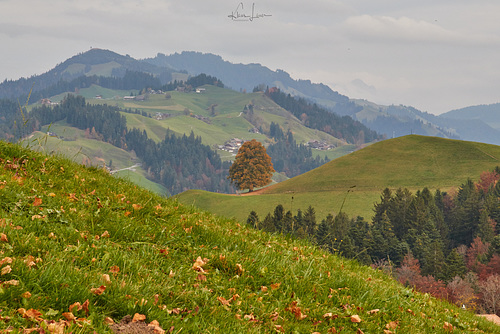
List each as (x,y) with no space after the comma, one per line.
(48,102)
(319,145)
(231,146)
(160,115)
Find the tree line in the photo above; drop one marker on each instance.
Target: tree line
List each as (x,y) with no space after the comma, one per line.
(443,243)
(316,117)
(288,157)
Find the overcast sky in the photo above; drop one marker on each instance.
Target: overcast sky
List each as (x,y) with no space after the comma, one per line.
(435,55)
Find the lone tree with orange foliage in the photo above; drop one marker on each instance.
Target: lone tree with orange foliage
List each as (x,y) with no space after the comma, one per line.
(252,167)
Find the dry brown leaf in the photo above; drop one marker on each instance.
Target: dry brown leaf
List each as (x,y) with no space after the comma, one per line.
(359,331)
(224,301)
(98,291)
(199,263)
(375,311)
(263,288)
(448,327)
(392,325)
(3,237)
(239,268)
(201,277)
(106,278)
(105,234)
(5,270)
(275,286)
(26,295)
(13,282)
(355,318)
(69,316)
(5,260)
(108,321)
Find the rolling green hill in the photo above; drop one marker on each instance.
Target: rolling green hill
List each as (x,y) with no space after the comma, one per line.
(81,250)
(413,162)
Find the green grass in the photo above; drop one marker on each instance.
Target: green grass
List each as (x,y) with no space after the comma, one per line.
(72,234)
(412,162)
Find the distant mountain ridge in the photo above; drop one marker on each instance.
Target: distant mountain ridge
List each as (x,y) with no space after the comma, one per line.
(479,123)
(92,62)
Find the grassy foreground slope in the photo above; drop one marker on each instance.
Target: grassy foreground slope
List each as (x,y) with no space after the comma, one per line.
(413,162)
(80,248)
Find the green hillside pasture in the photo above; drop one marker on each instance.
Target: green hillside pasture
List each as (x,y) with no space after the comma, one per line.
(412,162)
(79,244)
(109,96)
(155,129)
(357,203)
(137,176)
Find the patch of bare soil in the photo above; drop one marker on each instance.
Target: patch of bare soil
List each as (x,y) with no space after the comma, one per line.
(129,325)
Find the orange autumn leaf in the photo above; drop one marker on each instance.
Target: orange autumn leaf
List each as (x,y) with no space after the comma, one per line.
(69,316)
(37,201)
(108,321)
(375,311)
(26,295)
(296,310)
(105,234)
(98,291)
(136,206)
(114,269)
(138,317)
(164,251)
(127,213)
(448,327)
(3,237)
(275,286)
(31,314)
(224,301)
(5,260)
(201,277)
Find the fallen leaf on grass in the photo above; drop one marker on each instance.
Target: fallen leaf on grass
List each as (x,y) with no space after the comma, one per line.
(69,316)
(375,311)
(37,201)
(105,278)
(30,314)
(3,237)
(355,318)
(448,327)
(392,325)
(5,260)
(98,291)
(199,263)
(114,269)
(275,286)
(330,316)
(12,282)
(296,311)
(26,295)
(5,270)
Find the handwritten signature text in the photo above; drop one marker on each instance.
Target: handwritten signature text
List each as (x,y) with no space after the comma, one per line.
(238,14)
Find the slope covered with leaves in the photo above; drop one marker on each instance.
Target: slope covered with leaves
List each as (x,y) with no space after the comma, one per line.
(80,249)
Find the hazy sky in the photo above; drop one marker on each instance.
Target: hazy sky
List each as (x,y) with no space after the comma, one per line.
(434,55)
